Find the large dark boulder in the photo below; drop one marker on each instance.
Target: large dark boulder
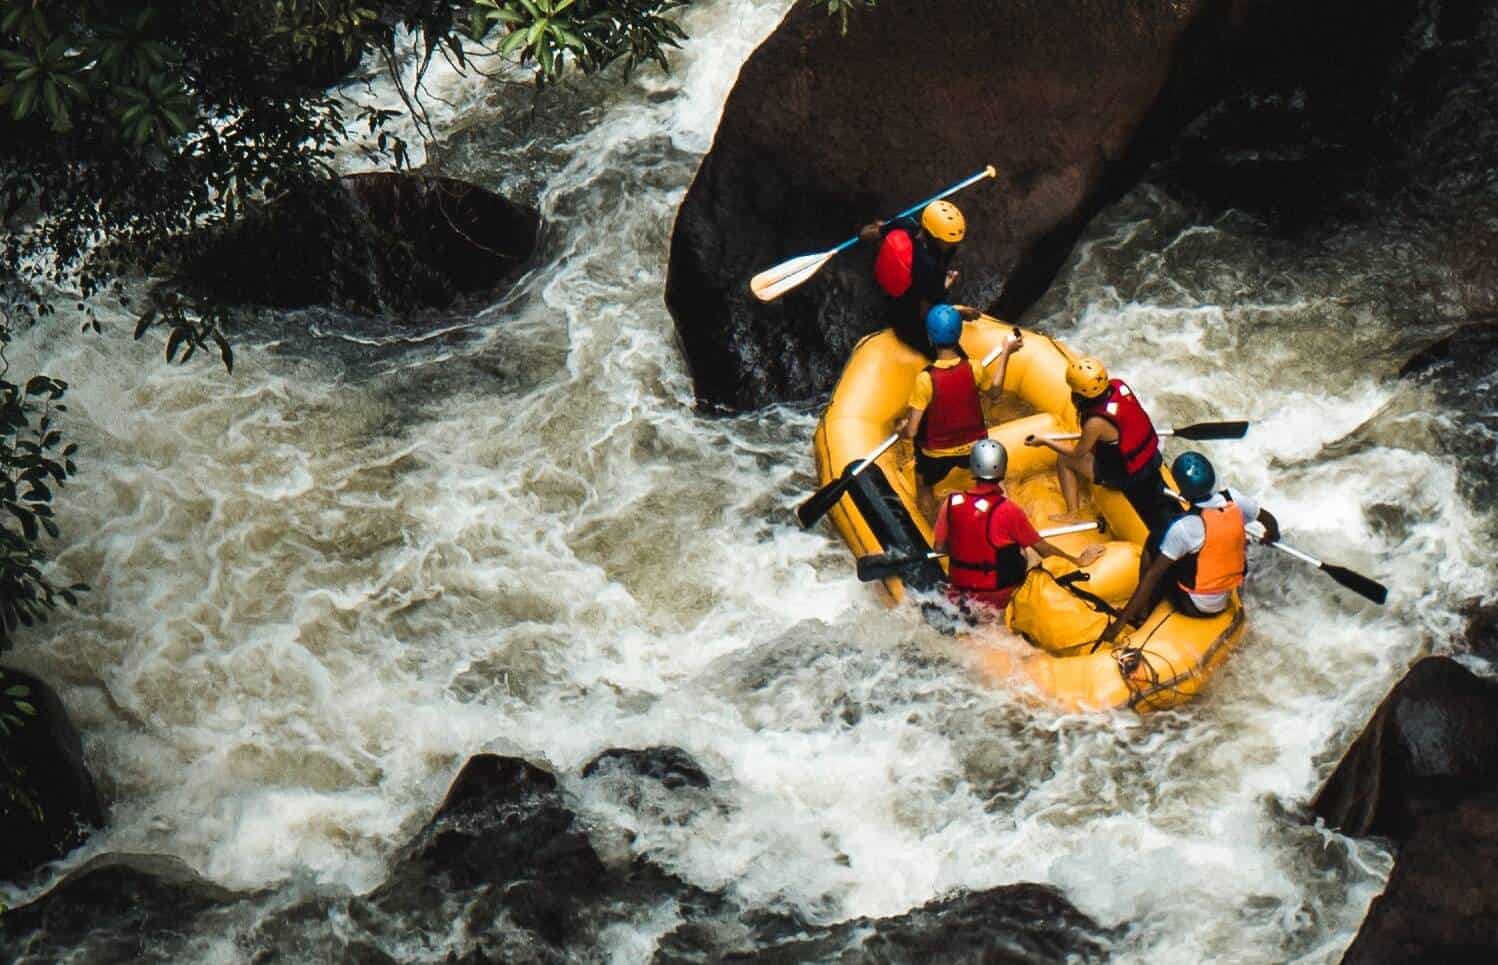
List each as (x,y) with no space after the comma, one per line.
(505,836)
(1424,773)
(1431,744)
(823,132)
(115,908)
(376,243)
(1026,923)
(48,802)
(1441,903)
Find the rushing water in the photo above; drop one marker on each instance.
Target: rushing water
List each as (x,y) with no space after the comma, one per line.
(324,582)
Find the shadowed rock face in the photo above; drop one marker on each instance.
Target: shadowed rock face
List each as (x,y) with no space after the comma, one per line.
(824,132)
(377,243)
(1425,773)
(122,907)
(506,871)
(1308,116)
(57,803)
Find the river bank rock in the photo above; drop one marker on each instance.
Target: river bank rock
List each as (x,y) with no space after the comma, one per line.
(48,801)
(503,835)
(823,132)
(671,766)
(373,243)
(1424,773)
(1440,902)
(117,907)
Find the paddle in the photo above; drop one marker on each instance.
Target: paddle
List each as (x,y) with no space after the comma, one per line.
(881,565)
(1200,430)
(1354,581)
(771,283)
(817,505)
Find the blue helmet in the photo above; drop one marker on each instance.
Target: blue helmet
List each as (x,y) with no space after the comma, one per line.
(1194,475)
(943,326)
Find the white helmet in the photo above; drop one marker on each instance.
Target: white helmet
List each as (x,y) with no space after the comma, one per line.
(989,460)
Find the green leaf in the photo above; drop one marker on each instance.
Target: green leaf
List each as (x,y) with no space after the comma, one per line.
(225,352)
(25,708)
(512,42)
(140,329)
(18,690)
(175,340)
(27,518)
(25,101)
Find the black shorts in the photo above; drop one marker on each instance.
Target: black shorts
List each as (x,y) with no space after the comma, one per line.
(904,315)
(933,469)
(1144,490)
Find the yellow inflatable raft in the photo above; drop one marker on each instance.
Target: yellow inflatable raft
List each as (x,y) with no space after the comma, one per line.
(1164,662)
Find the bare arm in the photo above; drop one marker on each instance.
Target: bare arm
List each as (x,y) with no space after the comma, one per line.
(1271,526)
(1010,346)
(1089,556)
(912,423)
(1142,594)
(1092,431)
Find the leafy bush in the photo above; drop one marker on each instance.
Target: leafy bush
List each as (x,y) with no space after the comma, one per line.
(33,459)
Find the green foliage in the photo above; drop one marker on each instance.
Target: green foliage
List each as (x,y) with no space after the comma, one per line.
(594,33)
(126,130)
(33,459)
(14,706)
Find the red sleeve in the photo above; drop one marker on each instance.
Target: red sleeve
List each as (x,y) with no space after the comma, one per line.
(1009,524)
(939,534)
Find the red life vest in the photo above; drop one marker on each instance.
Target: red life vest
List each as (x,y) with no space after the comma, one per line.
(977,563)
(1137,443)
(892,266)
(955,416)
(1219,565)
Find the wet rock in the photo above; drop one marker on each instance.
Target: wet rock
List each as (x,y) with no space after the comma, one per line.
(1461,370)
(824,132)
(117,908)
(375,243)
(1015,923)
(1441,901)
(1431,744)
(48,801)
(503,834)
(671,766)
(1481,636)
(1425,773)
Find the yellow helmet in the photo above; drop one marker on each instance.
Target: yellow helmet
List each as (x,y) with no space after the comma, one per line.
(944,222)
(1087,377)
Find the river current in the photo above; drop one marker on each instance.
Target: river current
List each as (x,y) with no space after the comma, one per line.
(323,582)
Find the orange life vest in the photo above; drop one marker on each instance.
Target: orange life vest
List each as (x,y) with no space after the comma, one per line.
(977,563)
(1218,567)
(955,416)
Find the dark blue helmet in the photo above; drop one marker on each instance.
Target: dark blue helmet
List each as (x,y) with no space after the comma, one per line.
(1194,475)
(943,326)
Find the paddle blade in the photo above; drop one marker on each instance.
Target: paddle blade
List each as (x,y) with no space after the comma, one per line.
(817,505)
(771,283)
(1213,430)
(1357,583)
(881,565)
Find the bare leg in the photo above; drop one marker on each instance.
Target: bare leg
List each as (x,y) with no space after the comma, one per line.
(1068,469)
(925,501)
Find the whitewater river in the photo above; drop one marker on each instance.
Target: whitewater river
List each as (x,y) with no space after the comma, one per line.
(323,583)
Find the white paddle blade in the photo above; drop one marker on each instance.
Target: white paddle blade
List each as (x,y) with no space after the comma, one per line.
(771,283)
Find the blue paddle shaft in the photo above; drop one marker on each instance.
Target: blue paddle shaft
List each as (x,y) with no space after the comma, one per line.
(916,207)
